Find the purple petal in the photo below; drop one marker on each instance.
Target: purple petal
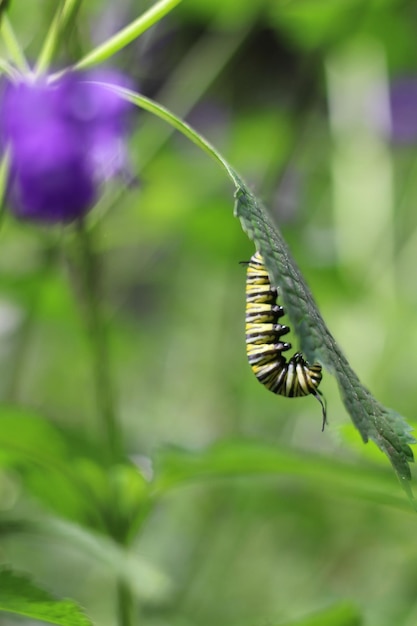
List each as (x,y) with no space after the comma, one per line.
(403,101)
(64,138)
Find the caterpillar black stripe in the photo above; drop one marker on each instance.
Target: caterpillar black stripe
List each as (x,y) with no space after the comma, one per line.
(264,341)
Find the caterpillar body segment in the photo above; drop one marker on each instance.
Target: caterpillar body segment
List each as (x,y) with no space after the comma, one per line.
(265,347)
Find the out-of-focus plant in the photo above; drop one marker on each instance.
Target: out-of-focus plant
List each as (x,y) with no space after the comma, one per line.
(63,136)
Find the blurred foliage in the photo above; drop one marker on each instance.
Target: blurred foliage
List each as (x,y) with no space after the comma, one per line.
(248,514)
(37,605)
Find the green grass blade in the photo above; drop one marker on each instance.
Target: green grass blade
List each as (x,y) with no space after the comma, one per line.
(21,597)
(127,34)
(12,45)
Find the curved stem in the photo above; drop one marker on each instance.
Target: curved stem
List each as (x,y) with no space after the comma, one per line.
(163,113)
(189,132)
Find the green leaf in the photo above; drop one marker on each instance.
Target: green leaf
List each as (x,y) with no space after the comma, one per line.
(342,614)
(127,34)
(70,475)
(41,455)
(20,596)
(237,458)
(384,426)
(148,581)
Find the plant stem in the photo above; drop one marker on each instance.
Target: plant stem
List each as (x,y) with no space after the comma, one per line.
(128,34)
(99,343)
(17,361)
(91,283)
(12,45)
(125,604)
(63,18)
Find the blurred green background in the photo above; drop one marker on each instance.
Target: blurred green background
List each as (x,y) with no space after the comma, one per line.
(304,98)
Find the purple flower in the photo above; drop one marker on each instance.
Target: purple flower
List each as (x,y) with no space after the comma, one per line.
(403,104)
(65,139)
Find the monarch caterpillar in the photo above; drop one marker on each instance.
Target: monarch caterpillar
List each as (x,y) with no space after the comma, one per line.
(264,344)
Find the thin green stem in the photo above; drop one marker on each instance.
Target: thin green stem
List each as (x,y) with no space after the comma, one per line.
(184,128)
(127,34)
(8,70)
(4,176)
(65,13)
(16,364)
(125,604)
(188,131)
(15,374)
(12,45)
(203,63)
(99,343)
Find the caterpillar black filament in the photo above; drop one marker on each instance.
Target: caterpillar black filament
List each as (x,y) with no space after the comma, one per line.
(264,344)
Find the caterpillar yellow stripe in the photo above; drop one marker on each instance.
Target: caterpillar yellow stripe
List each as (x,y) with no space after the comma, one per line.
(265,347)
